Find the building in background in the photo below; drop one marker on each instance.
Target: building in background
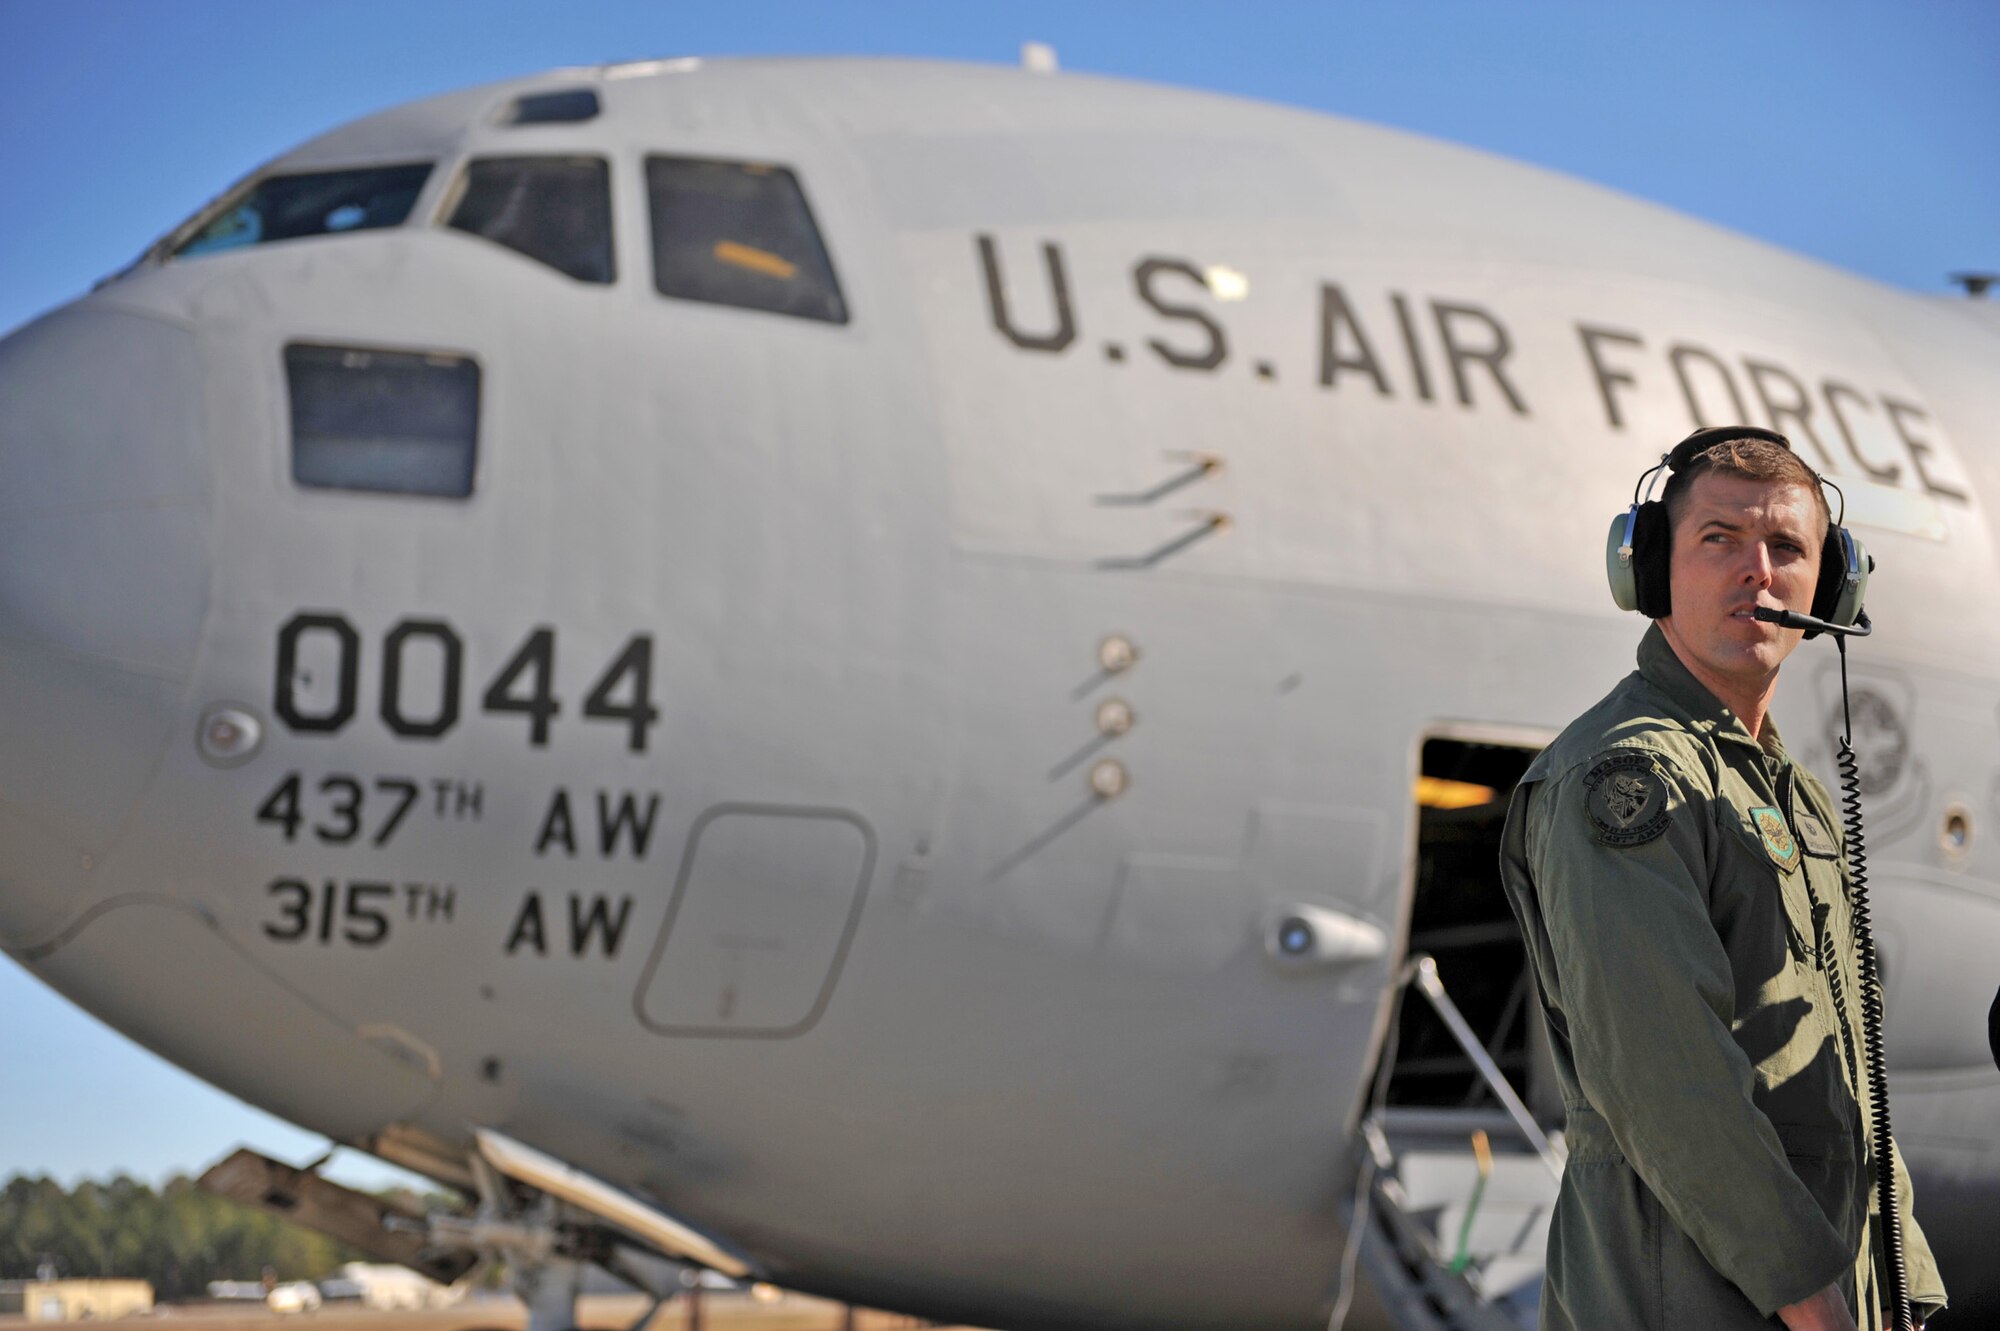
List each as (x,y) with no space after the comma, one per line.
(75,1300)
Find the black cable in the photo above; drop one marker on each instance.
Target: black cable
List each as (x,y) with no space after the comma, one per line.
(1871,1012)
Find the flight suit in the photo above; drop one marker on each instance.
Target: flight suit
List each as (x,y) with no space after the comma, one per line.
(1683,893)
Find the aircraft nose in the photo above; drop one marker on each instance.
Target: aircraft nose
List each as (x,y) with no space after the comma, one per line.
(103,589)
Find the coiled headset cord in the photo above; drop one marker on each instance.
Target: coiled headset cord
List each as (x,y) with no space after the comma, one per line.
(1871,972)
(1871,1011)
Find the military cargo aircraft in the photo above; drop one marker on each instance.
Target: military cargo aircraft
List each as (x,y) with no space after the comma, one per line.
(900,678)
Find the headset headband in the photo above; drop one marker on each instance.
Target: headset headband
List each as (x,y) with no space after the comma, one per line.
(1701,441)
(1683,455)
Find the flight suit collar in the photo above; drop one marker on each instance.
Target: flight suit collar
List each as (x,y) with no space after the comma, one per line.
(1665,671)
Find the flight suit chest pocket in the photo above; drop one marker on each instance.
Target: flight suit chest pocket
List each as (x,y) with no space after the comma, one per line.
(1819,848)
(1761,834)
(1774,884)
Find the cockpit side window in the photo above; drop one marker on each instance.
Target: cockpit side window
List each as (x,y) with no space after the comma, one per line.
(555,210)
(390,422)
(313,203)
(739,233)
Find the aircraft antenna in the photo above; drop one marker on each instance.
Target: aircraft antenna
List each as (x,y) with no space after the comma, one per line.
(1975,284)
(1039,58)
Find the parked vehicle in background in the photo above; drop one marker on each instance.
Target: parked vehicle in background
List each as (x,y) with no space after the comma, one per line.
(384,1286)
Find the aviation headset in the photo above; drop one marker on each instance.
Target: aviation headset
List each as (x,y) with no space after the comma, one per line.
(1637,557)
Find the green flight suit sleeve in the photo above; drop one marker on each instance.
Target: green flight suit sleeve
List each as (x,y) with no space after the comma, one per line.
(1648,1000)
(1926,1286)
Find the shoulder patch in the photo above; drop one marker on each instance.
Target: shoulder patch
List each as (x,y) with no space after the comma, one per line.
(1626,798)
(1778,843)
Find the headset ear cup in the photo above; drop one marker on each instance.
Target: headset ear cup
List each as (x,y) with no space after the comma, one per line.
(1618,563)
(1832,574)
(1652,560)
(1843,578)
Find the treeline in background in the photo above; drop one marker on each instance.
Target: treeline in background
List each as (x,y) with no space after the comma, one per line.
(179,1237)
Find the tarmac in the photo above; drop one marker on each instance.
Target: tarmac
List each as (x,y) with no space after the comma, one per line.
(608,1312)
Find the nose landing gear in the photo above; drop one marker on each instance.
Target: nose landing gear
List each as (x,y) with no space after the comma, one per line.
(548,1221)
(545,1220)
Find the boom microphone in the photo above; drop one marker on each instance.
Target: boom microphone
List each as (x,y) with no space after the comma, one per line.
(1792,619)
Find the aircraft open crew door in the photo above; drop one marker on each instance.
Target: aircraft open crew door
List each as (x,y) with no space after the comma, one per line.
(1462,1193)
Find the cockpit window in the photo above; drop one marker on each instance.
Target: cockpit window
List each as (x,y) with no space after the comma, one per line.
(393,422)
(739,233)
(312,204)
(556,210)
(552,108)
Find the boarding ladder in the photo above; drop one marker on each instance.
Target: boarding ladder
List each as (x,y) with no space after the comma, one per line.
(1454,1203)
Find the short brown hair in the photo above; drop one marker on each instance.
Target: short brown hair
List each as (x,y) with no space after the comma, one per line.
(1752,459)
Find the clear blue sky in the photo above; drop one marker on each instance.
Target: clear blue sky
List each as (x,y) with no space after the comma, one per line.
(1860,134)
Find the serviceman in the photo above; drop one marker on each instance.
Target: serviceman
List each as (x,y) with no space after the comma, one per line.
(1993,1028)
(1682,889)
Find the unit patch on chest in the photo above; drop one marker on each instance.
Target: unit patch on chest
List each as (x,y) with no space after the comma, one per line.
(1626,798)
(1816,839)
(1778,843)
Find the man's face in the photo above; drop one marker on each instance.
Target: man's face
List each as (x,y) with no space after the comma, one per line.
(1740,543)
